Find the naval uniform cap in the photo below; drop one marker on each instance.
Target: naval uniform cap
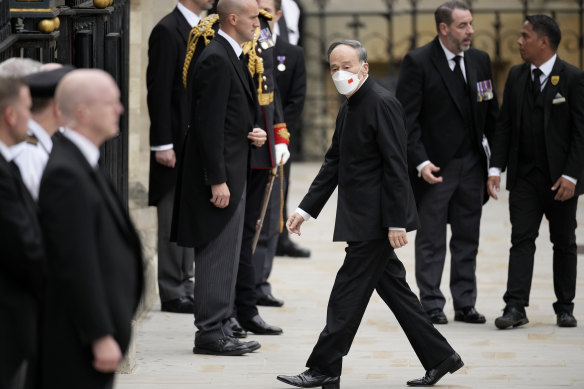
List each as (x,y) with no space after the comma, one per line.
(44,84)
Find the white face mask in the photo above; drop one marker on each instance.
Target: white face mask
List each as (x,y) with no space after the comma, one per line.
(347,82)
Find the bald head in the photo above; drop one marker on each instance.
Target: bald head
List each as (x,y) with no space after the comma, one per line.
(19,67)
(89,102)
(238,18)
(226,7)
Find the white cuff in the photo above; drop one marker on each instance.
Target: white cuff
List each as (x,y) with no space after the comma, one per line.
(420,167)
(494,171)
(162,147)
(397,229)
(304,215)
(572,180)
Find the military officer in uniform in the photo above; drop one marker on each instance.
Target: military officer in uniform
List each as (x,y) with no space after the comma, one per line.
(32,155)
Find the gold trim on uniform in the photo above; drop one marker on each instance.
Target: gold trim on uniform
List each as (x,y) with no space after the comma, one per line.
(266,98)
(203,29)
(31,139)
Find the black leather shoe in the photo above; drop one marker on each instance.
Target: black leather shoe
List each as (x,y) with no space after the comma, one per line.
(269,301)
(252,345)
(311,379)
(437,316)
(469,315)
(258,326)
(511,317)
(450,365)
(288,248)
(236,329)
(180,305)
(224,346)
(566,319)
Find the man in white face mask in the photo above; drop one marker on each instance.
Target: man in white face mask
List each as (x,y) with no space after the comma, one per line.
(367,162)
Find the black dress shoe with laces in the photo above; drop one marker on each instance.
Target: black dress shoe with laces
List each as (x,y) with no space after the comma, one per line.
(258,326)
(469,315)
(311,379)
(268,300)
(226,346)
(236,329)
(512,317)
(566,319)
(182,304)
(288,248)
(437,316)
(450,365)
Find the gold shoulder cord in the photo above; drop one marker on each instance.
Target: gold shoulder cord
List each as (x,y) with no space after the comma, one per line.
(203,29)
(255,63)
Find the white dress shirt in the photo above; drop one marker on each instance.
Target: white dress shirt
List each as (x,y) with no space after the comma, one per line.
(88,149)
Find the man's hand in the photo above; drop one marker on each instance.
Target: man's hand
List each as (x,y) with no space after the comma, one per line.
(257,136)
(220,194)
(106,354)
(166,157)
(397,238)
(493,186)
(282,153)
(565,188)
(294,222)
(427,173)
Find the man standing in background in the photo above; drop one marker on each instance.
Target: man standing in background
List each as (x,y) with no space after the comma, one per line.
(167,106)
(540,139)
(446,90)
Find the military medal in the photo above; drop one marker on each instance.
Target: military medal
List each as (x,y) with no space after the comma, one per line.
(484,90)
(555,80)
(265,39)
(281,58)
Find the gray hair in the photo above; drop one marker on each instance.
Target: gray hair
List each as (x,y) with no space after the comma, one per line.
(361,51)
(19,67)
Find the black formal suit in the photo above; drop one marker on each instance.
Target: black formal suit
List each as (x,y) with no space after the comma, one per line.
(168,109)
(446,124)
(540,137)
(95,275)
(216,150)
(22,278)
(367,162)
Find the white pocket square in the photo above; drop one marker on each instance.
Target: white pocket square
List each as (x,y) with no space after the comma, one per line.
(559,99)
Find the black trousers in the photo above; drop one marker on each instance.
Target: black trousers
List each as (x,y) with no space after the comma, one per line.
(369,266)
(530,199)
(245,288)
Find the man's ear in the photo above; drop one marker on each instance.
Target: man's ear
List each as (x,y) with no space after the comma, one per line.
(10,116)
(277,16)
(232,19)
(443,29)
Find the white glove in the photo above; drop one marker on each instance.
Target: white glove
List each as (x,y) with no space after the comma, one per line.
(282,153)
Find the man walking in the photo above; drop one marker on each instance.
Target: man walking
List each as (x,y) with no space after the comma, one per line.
(367,162)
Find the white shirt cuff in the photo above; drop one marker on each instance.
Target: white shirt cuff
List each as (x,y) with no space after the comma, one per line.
(420,167)
(162,147)
(304,215)
(494,171)
(397,229)
(572,180)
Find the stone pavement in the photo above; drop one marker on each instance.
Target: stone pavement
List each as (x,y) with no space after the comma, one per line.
(539,354)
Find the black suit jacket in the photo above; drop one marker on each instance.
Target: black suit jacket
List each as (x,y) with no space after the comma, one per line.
(22,273)
(563,123)
(216,148)
(291,81)
(95,273)
(433,108)
(167,97)
(367,161)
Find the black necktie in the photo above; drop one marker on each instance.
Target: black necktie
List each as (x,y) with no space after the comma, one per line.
(458,69)
(536,81)
(283,29)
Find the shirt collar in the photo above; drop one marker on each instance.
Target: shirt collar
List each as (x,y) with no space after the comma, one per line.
(449,54)
(5,151)
(236,46)
(88,149)
(547,67)
(192,18)
(41,134)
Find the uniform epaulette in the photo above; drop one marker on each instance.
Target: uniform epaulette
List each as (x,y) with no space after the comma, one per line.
(203,29)
(266,14)
(31,139)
